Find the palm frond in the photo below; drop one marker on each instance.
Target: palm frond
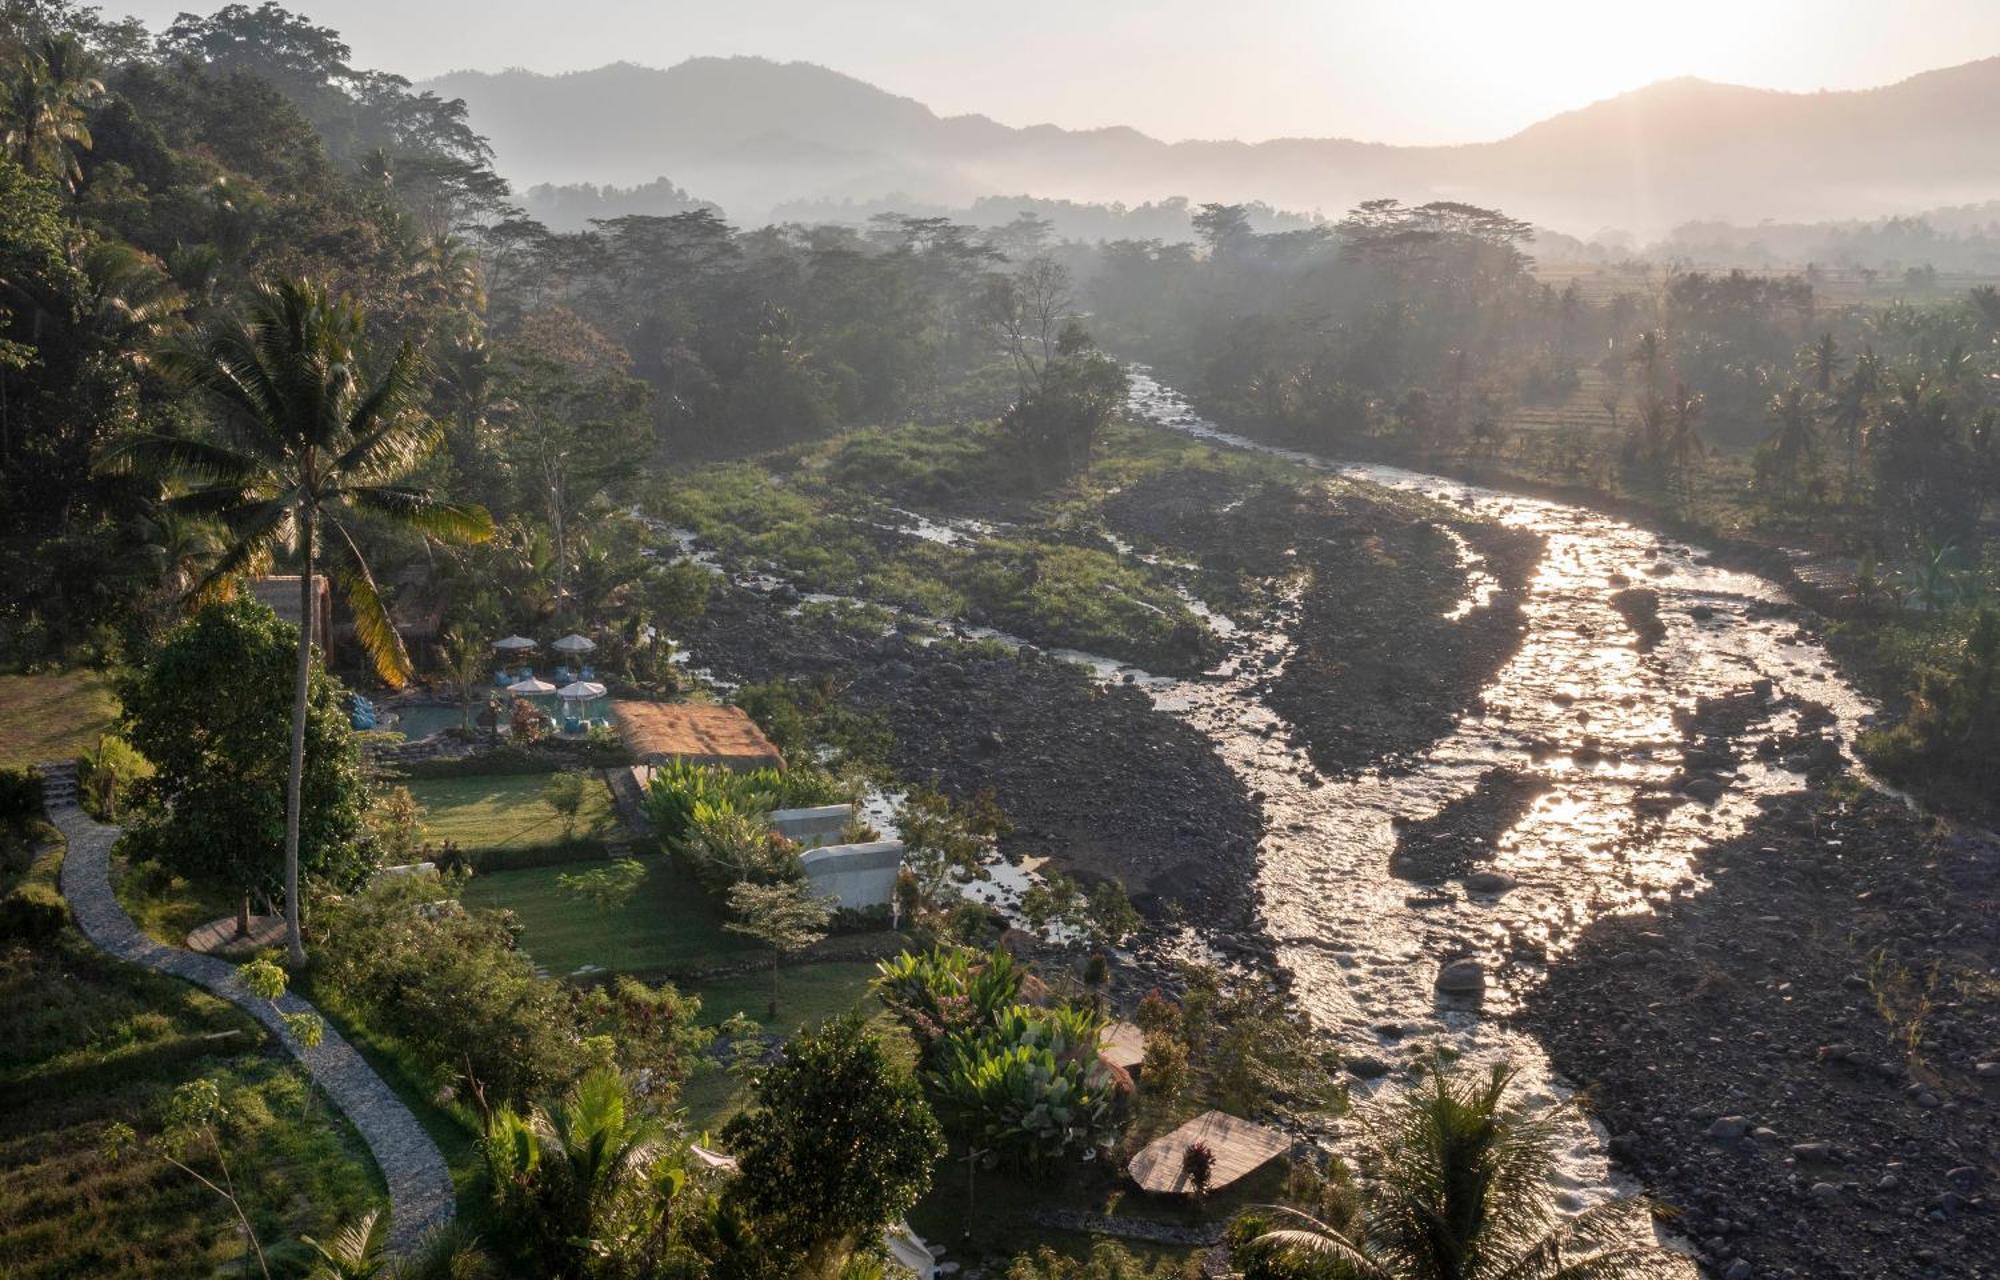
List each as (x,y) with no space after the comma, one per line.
(422,511)
(372,624)
(178,457)
(250,545)
(1329,1245)
(355,1253)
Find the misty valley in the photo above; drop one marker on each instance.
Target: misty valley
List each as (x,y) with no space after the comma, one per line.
(713,672)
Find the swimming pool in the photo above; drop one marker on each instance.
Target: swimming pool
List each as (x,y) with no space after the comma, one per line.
(421,720)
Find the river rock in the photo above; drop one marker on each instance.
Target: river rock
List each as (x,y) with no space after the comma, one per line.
(1729,1128)
(1367,1066)
(1705,789)
(1738,1269)
(1490,882)
(1462,977)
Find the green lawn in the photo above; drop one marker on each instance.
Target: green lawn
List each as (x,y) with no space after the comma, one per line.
(53,717)
(504,812)
(86,1041)
(670,923)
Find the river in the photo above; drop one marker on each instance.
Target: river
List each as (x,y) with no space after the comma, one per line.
(1579,707)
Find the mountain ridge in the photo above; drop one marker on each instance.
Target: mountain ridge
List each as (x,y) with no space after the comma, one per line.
(752,133)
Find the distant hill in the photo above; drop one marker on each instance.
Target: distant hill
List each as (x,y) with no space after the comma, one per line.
(752,134)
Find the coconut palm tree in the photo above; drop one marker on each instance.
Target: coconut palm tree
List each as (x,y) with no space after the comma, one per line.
(44,108)
(1459,1190)
(1849,410)
(586,1176)
(1794,435)
(306,440)
(1683,442)
(1824,359)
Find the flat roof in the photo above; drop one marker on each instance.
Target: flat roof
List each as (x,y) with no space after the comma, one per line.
(698,732)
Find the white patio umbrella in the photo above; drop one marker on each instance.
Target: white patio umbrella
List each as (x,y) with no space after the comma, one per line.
(581,691)
(574,643)
(531,685)
(514,644)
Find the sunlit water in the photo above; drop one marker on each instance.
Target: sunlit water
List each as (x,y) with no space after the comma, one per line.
(1579,706)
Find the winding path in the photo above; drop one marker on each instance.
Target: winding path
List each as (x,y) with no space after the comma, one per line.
(420,1189)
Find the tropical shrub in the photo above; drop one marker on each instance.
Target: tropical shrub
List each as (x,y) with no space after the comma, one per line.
(679,789)
(450,987)
(1031,1089)
(1950,739)
(727,848)
(105,772)
(586,1180)
(948,992)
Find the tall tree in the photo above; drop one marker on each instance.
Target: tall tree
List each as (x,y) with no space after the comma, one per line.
(48,88)
(209,713)
(305,441)
(838,1145)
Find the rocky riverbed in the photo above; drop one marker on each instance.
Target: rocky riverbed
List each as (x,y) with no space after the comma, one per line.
(1089,772)
(1487,772)
(1801,1060)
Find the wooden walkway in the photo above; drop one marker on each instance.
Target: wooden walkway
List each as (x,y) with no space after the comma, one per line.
(218,937)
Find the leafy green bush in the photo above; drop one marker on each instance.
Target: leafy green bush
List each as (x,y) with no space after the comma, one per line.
(32,914)
(838,1145)
(728,848)
(1023,1081)
(948,992)
(679,790)
(1030,1088)
(449,985)
(1950,740)
(20,796)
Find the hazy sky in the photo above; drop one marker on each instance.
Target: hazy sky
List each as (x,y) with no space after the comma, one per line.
(1379,70)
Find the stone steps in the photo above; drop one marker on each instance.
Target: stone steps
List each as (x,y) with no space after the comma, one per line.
(59,784)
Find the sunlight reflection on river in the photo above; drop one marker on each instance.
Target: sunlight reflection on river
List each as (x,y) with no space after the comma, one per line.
(1578,706)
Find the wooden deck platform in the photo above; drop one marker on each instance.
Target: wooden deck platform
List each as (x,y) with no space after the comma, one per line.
(1241,1148)
(218,937)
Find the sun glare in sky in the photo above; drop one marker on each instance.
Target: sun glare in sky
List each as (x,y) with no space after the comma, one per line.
(1377,70)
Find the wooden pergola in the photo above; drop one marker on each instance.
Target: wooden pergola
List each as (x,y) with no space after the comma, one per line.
(1241,1148)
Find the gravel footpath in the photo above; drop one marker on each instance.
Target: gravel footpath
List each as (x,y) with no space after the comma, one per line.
(420,1190)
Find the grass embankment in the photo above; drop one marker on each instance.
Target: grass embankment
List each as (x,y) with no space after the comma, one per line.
(86,1042)
(53,717)
(494,812)
(824,517)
